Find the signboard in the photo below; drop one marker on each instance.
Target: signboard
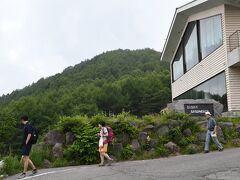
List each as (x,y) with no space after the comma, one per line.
(198,109)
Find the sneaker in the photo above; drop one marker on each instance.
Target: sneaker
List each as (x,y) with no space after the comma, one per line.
(33,172)
(101,165)
(21,176)
(206,151)
(221,149)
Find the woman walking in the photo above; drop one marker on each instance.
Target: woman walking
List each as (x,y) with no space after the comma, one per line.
(103,144)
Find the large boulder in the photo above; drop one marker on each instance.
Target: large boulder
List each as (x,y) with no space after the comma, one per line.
(123,138)
(53,137)
(153,143)
(149,128)
(57,150)
(238,128)
(201,136)
(117,149)
(142,138)
(192,149)
(46,164)
(70,138)
(225,124)
(173,123)
(178,105)
(236,142)
(135,145)
(172,147)
(163,130)
(187,132)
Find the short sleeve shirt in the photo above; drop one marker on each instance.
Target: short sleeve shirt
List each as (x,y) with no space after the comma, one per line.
(211,124)
(27,130)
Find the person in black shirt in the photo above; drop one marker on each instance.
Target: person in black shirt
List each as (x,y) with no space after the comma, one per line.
(26,147)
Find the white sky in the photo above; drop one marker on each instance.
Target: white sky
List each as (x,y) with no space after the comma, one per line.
(39,38)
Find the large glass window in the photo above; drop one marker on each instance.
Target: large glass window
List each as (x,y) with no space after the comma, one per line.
(214,88)
(191,46)
(201,38)
(178,65)
(210,34)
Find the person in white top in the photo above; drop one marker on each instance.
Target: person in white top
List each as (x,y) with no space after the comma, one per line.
(103,144)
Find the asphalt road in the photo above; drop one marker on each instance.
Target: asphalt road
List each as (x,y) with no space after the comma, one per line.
(211,166)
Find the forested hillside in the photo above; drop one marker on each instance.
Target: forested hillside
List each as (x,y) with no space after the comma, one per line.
(115,81)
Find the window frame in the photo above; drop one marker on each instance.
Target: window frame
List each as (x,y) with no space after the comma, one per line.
(183,43)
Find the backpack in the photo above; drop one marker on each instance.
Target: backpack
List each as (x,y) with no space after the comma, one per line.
(110,135)
(34,136)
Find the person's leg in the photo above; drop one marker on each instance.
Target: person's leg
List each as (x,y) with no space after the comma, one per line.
(218,144)
(25,165)
(107,157)
(31,164)
(207,141)
(102,159)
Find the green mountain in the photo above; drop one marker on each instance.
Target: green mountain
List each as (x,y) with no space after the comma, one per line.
(115,81)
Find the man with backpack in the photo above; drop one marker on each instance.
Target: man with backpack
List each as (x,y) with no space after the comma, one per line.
(106,136)
(28,132)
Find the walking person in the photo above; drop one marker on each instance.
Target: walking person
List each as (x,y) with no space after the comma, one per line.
(26,147)
(103,144)
(211,133)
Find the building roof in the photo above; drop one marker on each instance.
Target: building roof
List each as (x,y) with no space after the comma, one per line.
(180,19)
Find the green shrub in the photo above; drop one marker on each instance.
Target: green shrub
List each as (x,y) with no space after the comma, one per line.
(94,121)
(163,140)
(162,151)
(185,141)
(226,119)
(72,124)
(192,149)
(11,166)
(175,134)
(85,148)
(149,119)
(127,153)
(39,154)
(190,124)
(230,133)
(123,124)
(60,163)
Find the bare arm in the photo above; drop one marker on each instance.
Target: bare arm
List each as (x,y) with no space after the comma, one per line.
(28,138)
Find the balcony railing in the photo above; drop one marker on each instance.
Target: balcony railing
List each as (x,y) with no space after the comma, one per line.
(234,40)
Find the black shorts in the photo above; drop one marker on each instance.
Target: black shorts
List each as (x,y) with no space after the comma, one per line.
(26,149)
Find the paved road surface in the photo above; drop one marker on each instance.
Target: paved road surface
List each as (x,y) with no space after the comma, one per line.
(212,166)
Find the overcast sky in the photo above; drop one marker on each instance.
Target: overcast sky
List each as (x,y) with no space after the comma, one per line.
(39,38)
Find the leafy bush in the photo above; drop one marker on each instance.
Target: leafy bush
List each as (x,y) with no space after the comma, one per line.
(190,124)
(85,148)
(230,133)
(123,124)
(60,163)
(127,153)
(187,140)
(192,149)
(72,124)
(39,154)
(11,166)
(175,134)
(162,151)
(99,117)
